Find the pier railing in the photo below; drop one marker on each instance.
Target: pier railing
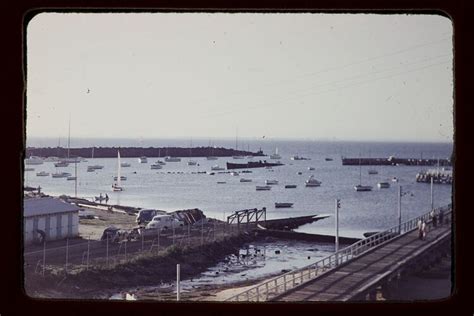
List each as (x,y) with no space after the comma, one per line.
(290,280)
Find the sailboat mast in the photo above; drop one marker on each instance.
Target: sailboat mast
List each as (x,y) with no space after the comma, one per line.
(69,137)
(118,168)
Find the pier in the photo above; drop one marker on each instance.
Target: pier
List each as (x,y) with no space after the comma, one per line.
(392,161)
(359,271)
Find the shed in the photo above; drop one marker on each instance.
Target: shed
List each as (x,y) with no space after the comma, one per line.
(56,218)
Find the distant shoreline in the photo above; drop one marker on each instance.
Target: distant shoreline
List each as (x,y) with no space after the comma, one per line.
(135,152)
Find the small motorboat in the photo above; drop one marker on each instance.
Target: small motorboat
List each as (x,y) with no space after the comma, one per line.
(172,159)
(42,174)
(60,175)
(143,159)
(299,173)
(312,182)
(372,171)
(271,182)
(310,168)
(192,163)
(29,169)
(263,187)
(233,173)
(125,164)
(72,178)
(245,180)
(221,182)
(328,159)
(362,188)
(156,166)
(280,205)
(383,185)
(216,168)
(290,186)
(394,179)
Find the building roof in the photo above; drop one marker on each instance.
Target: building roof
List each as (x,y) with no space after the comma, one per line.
(46,205)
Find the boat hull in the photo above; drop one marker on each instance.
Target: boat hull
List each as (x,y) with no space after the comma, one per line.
(252,164)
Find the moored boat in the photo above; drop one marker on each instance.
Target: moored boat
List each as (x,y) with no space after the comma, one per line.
(252,164)
(34,160)
(383,185)
(245,180)
(312,182)
(362,188)
(263,187)
(271,182)
(279,205)
(372,171)
(143,159)
(172,159)
(125,164)
(290,186)
(42,174)
(155,166)
(216,168)
(60,175)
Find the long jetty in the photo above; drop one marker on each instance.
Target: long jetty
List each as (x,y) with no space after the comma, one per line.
(127,152)
(358,271)
(392,161)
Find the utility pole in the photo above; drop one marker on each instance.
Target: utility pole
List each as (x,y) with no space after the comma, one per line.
(432,204)
(399,209)
(178,287)
(338,205)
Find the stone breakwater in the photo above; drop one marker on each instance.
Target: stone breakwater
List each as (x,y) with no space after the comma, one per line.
(127,152)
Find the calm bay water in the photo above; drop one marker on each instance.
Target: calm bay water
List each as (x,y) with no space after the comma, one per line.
(181,189)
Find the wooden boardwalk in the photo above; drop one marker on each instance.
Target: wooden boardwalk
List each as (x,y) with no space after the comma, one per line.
(356,277)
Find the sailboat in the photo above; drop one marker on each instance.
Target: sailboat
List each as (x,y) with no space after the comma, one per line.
(360,187)
(275,155)
(116,187)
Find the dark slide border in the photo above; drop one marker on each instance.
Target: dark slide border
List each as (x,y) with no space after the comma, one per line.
(14,19)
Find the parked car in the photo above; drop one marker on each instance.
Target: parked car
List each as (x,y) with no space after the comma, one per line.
(146,215)
(114,234)
(164,222)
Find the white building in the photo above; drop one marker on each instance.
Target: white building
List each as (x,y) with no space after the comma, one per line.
(57,219)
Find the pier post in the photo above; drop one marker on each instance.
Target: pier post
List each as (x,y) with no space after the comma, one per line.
(88,249)
(178,288)
(142,242)
(67,251)
(44,254)
(107,252)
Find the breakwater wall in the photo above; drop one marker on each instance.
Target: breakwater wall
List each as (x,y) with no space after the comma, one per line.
(392,161)
(127,152)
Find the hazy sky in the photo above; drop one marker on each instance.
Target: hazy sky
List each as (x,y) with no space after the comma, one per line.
(164,75)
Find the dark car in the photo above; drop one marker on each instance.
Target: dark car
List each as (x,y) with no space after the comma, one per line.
(113,234)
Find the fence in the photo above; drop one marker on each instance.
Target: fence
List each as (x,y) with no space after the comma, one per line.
(77,253)
(289,280)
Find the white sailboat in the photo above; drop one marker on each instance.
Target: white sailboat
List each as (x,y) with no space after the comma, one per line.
(360,187)
(116,187)
(275,155)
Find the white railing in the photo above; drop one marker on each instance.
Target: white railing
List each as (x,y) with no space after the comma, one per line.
(285,282)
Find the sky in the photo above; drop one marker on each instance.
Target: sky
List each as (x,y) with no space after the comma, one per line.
(280,75)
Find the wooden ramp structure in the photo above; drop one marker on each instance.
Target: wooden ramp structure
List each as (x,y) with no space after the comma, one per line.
(358,271)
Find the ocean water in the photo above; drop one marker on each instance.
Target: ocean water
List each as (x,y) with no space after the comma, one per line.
(178,186)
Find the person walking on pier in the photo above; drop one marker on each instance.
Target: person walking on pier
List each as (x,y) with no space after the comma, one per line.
(423,230)
(420,231)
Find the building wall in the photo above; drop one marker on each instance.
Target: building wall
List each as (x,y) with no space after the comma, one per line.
(68,227)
